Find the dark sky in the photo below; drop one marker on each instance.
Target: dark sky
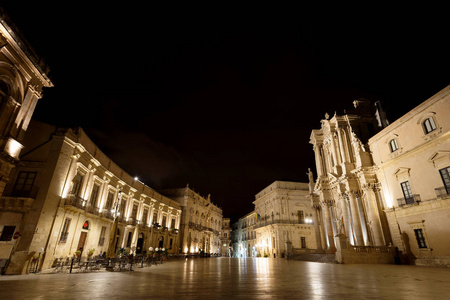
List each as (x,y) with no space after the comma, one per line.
(225,98)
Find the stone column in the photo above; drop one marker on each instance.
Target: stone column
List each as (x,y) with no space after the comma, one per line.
(347,223)
(355,218)
(70,175)
(373,217)
(328,226)
(87,185)
(316,227)
(103,194)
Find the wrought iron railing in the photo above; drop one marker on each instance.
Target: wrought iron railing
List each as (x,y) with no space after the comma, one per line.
(75,201)
(442,192)
(414,199)
(279,221)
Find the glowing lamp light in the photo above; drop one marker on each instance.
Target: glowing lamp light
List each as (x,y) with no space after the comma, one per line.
(136,178)
(13,148)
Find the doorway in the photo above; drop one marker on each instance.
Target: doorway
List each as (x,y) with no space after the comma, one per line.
(81,241)
(140,243)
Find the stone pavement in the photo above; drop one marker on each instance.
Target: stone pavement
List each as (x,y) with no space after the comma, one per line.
(237,278)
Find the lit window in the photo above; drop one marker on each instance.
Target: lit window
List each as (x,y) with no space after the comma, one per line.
(429,125)
(393,145)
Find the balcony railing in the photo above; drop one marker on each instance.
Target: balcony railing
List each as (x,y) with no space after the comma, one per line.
(279,221)
(75,201)
(132,221)
(442,192)
(410,200)
(92,210)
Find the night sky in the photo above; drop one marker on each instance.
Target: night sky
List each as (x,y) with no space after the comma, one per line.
(225,98)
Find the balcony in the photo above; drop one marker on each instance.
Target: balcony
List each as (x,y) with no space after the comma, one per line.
(415,199)
(16,203)
(92,210)
(442,192)
(266,222)
(75,201)
(132,222)
(107,214)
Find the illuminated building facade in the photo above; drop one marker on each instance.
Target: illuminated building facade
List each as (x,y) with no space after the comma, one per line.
(346,195)
(281,224)
(23,75)
(63,197)
(225,240)
(412,159)
(381,186)
(246,235)
(201,222)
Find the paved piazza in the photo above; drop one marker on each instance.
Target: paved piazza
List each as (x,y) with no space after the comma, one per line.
(237,278)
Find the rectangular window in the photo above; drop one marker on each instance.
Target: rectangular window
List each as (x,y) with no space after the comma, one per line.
(24,184)
(77,180)
(445,174)
(65,231)
(7,233)
(145,216)
(420,238)
(393,144)
(303,241)
(164,221)
(155,217)
(134,211)
(429,125)
(172,225)
(301,216)
(123,203)
(94,195)
(101,240)
(109,201)
(407,192)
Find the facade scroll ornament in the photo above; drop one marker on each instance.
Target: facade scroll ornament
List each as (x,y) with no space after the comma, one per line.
(356,141)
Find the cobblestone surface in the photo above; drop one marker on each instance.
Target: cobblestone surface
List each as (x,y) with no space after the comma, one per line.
(237,278)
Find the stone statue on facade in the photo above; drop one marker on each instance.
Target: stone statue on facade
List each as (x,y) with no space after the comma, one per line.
(311,180)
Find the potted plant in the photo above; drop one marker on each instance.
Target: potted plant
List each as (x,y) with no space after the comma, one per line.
(122,252)
(91,252)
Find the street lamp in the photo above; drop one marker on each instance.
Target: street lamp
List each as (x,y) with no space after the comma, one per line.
(112,233)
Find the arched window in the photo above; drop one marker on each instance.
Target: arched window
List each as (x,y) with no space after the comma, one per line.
(393,145)
(86,225)
(429,125)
